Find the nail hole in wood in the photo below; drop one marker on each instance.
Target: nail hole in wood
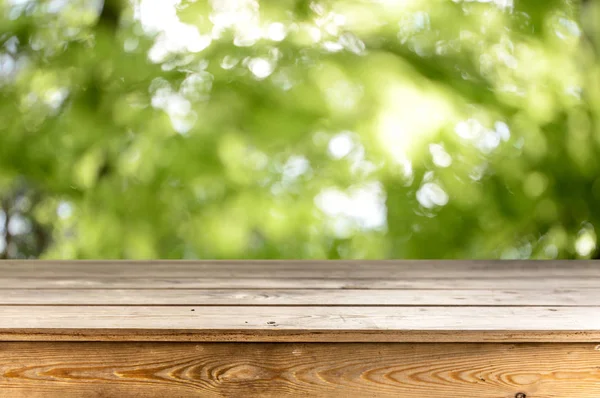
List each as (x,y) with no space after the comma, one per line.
(521,395)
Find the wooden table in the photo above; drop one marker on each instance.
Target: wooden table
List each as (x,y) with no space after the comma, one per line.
(427,329)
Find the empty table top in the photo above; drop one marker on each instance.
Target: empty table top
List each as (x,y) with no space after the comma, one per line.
(301,301)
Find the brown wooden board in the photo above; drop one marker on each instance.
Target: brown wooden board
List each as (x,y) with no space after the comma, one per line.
(52,369)
(300,329)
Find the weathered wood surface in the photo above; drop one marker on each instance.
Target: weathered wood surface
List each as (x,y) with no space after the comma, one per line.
(301,329)
(396,319)
(145,282)
(301,297)
(438,269)
(39,370)
(299,336)
(432,275)
(323,301)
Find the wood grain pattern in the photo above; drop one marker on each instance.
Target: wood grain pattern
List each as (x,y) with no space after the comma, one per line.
(300,329)
(300,297)
(301,336)
(259,300)
(360,322)
(36,370)
(297,318)
(145,282)
(359,269)
(371,275)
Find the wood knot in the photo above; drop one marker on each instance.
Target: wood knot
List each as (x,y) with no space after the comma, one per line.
(520,395)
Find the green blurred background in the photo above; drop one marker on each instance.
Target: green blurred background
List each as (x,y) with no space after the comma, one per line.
(299,129)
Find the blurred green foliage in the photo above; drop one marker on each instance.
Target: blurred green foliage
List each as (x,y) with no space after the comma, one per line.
(299,129)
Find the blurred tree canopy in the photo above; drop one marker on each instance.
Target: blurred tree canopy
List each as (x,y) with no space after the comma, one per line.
(299,129)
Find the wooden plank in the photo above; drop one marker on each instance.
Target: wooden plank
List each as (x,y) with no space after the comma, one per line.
(36,370)
(300,275)
(82,282)
(309,323)
(301,336)
(302,297)
(302,318)
(364,269)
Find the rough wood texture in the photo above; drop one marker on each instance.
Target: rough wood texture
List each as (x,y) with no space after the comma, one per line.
(300,336)
(232,282)
(301,297)
(435,275)
(326,301)
(302,318)
(36,370)
(427,329)
(314,269)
